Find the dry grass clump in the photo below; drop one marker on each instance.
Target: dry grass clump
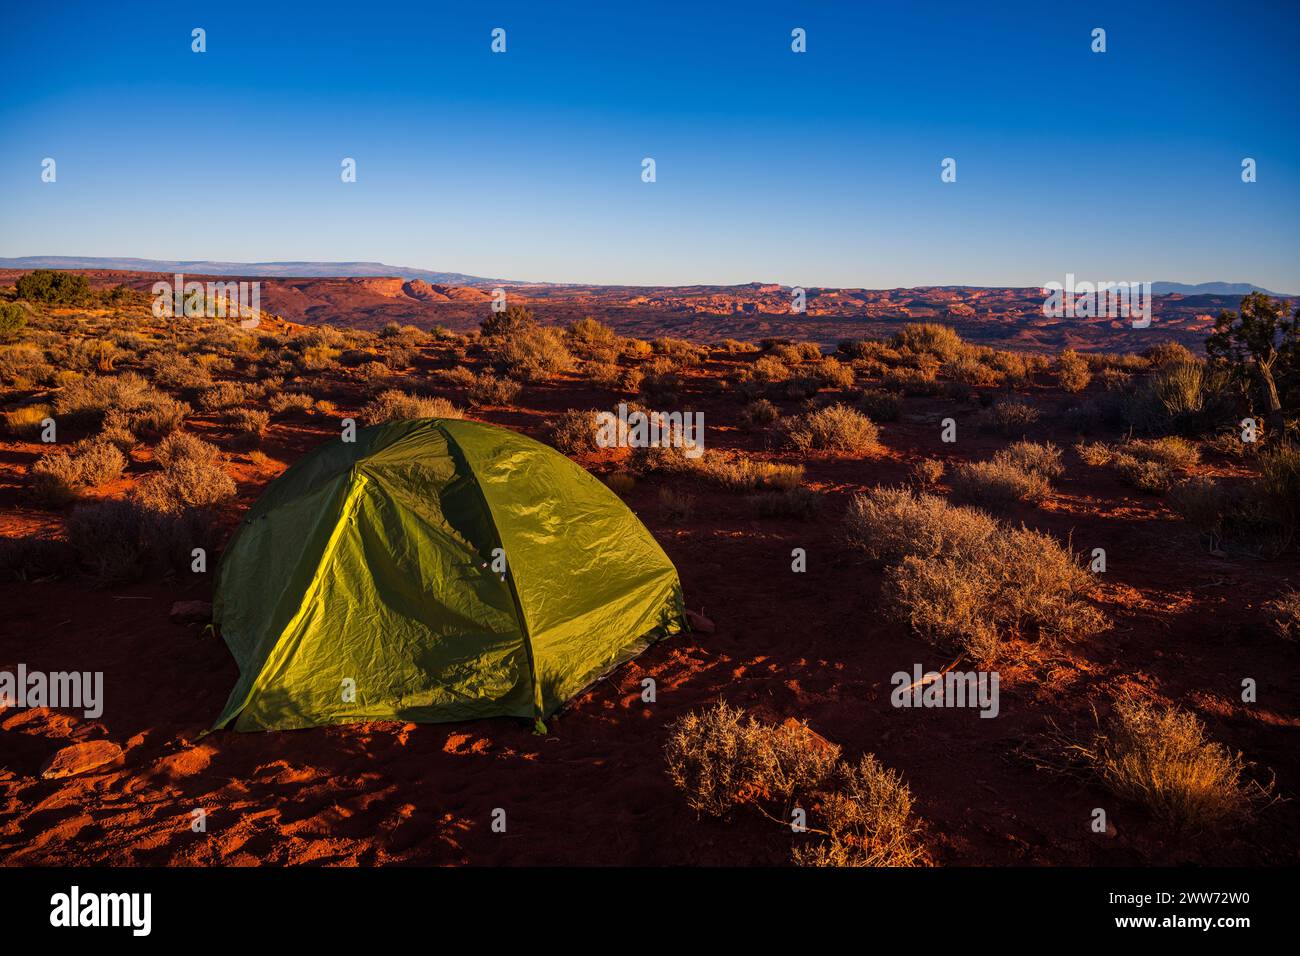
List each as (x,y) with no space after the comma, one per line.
(739,473)
(722,757)
(799,503)
(834,428)
(965,581)
(1094,453)
(1157,755)
(394,405)
(1283,615)
(999,484)
(25,422)
(1033,457)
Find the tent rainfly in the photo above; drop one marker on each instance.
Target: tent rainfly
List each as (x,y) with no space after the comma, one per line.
(434,570)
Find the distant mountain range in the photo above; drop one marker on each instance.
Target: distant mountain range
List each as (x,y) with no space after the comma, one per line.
(1211,288)
(270,270)
(343,270)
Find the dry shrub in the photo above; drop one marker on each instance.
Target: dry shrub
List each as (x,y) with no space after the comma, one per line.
(282,403)
(880,405)
(588,335)
(834,428)
(1038,459)
(676,506)
(1152,465)
(769,369)
(1157,755)
(186,483)
(927,472)
(575,431)
(87,399)
(180,446)
(738,473)
(1283,615)
(534,353)
(1072,371)
(941,341)
(118,540)
(223,395)
(721,757)
(35,559)
(251,423)
(964,580)
(393,405)
(1011,416)
(888,524)
(1094,453)
(800,503)
(970,371)
(488,389)
(57,478)
(869,820)
(1020,583)
(832,373)
(759,414)
(912,381)
(603,374)
(998,485)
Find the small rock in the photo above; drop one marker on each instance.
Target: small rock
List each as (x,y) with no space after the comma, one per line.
(188,612)
(79,758)
(700,623)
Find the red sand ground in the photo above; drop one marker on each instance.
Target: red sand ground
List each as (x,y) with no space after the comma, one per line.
(812,646)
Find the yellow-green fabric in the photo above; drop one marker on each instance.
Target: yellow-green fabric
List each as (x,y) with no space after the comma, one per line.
(368,565)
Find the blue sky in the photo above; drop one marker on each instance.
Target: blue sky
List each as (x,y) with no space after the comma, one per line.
(811,169)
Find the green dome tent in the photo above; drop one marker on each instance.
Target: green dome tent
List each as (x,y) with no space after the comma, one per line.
(367,584)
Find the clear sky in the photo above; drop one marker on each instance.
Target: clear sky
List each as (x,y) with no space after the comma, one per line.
(808,169)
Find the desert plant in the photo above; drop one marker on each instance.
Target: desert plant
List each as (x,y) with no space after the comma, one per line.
(576,431)
(998,484)
(394,405)
(489,389)
(927,472)
(1072,371)
(1283,615)
(1157,755)
(868,818)
(833,428)
(1038,459)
